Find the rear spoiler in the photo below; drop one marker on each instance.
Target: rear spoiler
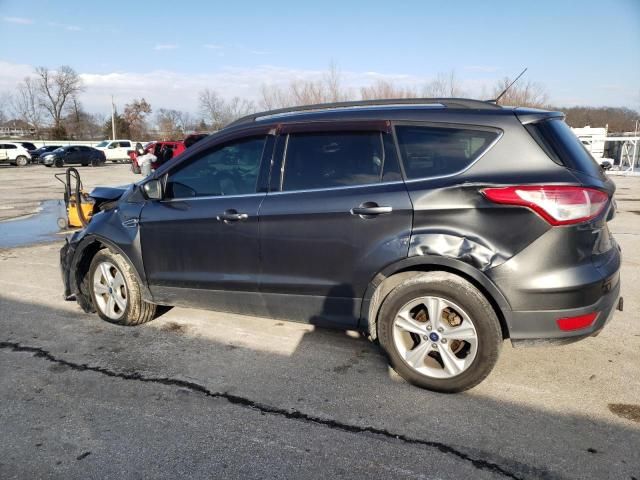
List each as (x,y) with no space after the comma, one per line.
(532,115)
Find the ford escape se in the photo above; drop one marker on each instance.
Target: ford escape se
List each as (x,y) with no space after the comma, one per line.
(438,227)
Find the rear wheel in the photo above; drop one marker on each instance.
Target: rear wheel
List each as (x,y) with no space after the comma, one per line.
(22,161)
(440,332)
(115,290)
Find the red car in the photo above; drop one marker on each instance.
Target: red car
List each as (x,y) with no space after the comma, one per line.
(164,151)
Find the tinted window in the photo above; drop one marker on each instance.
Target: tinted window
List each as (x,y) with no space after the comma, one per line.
(125,144)
(561,144)
(228,170)
(434,151)
(323,160)
(10,147)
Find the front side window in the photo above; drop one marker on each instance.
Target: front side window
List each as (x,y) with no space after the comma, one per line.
(436,151)
(332,159)
(231,169)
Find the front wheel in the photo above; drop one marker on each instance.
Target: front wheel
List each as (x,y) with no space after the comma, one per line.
(440,332)
(115,290)
(58,163)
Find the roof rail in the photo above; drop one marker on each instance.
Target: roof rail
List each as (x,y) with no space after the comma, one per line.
(447,102)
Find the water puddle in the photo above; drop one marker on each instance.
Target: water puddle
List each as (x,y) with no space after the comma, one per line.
(38,228)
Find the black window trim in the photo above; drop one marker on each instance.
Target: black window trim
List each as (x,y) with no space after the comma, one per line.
(327,129)
(444,125)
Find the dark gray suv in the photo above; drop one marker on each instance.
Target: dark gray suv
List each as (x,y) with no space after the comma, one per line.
(438,227)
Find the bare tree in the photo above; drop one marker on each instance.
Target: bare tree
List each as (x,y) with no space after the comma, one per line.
(55,88)
(135,114)
(26,104)
(211,107)
(444,85)
(173,124)
(334,92)
(529,94)
(382,89)
(273,97)
(306,92)
(235,108)
(6,101)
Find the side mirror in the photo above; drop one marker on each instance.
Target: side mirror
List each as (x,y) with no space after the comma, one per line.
(153,189)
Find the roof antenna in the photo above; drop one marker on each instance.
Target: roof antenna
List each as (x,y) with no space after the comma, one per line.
(508,87)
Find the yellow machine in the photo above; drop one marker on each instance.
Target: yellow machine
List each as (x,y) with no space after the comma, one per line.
(79,206)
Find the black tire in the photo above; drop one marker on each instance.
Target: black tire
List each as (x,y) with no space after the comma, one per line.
(58,163)
(457,290)
(137,311)
(22,161)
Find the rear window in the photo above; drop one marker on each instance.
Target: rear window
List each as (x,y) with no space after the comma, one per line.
(564,148)
(437,151)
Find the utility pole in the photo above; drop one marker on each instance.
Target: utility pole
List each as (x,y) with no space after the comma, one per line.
(113,119)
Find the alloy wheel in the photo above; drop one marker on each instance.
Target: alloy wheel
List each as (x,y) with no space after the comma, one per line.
(435,337)
(110,290)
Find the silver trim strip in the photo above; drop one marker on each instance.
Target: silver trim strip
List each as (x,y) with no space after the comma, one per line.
(364,185)
(213,197)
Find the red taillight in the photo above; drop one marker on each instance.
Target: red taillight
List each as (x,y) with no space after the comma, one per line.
(557,204)
(577,323)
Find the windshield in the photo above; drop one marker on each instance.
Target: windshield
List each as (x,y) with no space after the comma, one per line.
(58,150)
(102,144)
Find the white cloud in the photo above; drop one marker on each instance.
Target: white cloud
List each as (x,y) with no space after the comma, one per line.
(70,28)
(18,20)
(165,46)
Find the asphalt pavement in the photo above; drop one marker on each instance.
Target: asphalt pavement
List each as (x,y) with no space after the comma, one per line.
(202,394)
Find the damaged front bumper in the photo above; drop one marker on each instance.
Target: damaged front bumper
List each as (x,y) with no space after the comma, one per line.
(66,255)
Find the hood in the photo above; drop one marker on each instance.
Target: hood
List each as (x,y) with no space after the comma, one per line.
(107,193)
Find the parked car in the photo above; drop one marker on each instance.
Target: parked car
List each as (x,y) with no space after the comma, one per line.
(28,145)
(73,155)
(38,152)
(116,150)
(438,227)
(14,154)
(163,151)
(194,138)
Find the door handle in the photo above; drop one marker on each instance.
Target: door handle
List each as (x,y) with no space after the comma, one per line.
(232,216)
(371,209)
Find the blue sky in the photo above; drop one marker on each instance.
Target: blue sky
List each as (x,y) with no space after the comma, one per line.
(583,52)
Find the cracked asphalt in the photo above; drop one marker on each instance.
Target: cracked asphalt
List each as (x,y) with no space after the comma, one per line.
(203,394)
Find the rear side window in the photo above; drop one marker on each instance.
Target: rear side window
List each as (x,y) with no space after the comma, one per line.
(562,145)
(332,159)
(437,151)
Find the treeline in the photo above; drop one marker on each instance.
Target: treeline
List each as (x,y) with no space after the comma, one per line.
(49,102)
(617,119)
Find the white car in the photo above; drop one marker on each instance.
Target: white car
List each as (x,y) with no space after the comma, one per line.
(14,153)
(116,150)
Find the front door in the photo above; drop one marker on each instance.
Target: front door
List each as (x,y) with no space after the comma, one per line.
(342,214)
(200,243)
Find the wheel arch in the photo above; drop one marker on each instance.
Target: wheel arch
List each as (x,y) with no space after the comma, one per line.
(392,275)
(85,251)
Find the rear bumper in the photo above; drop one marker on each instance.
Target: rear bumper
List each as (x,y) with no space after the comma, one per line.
(530,328)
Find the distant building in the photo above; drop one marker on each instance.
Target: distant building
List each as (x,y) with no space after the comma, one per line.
(16,128)
(593,139)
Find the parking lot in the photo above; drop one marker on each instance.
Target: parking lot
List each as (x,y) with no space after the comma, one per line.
(203,394)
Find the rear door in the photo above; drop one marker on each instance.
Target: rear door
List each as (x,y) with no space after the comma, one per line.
(200,244)
(340,213)
(3,153)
